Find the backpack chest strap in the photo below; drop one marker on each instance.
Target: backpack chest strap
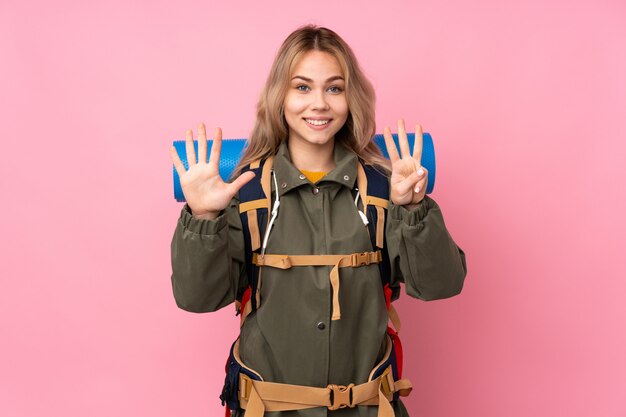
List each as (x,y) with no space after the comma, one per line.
(336,261)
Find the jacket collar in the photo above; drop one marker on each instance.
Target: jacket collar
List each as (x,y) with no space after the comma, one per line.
(290,177)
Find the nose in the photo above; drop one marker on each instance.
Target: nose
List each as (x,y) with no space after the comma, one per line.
(319,101)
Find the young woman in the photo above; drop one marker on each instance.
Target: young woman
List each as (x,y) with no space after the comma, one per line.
(317,327)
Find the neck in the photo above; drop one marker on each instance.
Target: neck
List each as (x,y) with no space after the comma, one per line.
(309,157)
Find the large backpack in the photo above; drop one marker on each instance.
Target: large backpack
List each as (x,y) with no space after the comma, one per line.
(258,212)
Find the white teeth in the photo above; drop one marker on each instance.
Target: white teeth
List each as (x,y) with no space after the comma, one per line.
(317,122)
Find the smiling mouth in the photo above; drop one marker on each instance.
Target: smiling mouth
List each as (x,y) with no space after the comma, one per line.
(316,122)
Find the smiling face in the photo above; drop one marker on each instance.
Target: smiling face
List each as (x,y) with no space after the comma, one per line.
(315,105)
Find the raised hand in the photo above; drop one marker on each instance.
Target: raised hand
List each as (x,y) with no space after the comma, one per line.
(205,191)
(408,177)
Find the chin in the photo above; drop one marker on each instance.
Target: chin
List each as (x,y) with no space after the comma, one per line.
(319,139)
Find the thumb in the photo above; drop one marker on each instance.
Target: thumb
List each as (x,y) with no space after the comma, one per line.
(404,186)
(242,180)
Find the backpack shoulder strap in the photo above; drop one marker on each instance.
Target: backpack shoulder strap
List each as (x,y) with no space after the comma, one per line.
(374,191)
(255,201)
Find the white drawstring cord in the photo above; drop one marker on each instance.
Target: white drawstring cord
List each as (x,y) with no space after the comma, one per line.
(363,216)
(277,204)
(274,214)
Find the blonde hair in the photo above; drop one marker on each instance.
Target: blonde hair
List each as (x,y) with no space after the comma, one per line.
(271,128)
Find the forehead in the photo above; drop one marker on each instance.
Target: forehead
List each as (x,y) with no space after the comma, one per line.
(316,65)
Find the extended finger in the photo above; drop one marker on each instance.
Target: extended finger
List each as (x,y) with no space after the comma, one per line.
(421,171)
(234,186)
(216,148)
(391,145)
(201,143)
(418,144)
(404,142)
(178,164)
(191,152)
(421,184)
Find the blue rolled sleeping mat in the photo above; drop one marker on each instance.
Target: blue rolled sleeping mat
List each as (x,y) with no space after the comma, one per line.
(232,149)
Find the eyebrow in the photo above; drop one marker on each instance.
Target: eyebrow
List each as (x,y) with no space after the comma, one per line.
(333,78)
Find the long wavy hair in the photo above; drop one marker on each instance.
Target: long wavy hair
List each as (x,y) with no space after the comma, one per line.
(271,128)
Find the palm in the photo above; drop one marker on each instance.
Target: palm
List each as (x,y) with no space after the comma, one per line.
(203,187)
(408,186)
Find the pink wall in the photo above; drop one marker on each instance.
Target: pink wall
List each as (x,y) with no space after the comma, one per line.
(526,101)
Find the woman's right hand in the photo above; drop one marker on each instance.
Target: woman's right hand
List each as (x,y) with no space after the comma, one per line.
(205,191)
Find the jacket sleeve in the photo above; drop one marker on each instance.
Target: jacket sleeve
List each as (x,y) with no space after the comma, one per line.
(208,260)
(422,253)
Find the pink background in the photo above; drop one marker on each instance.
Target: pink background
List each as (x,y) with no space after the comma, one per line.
(526,103)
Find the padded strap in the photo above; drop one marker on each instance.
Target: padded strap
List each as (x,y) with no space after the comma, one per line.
(380,227)
(266,181)
(336,261)
(266,184)
(381,205)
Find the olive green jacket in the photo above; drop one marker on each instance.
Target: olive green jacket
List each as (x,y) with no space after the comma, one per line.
(291,338)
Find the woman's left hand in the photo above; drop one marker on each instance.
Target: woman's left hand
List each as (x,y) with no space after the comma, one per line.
(408,177)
